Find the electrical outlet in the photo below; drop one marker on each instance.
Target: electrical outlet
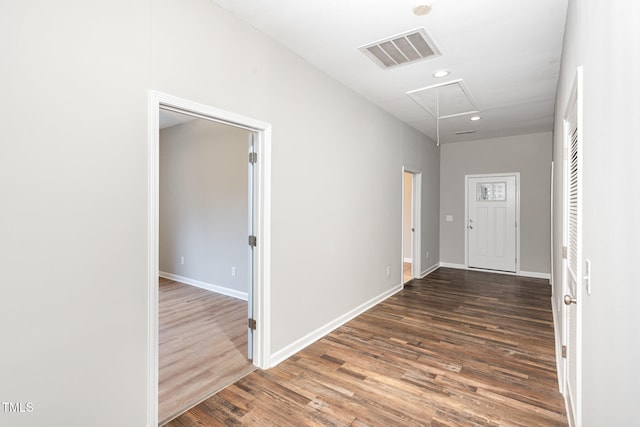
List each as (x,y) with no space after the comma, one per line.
(182,260)
(388,271)
(233,272)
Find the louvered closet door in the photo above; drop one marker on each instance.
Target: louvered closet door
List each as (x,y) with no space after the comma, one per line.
(573,270)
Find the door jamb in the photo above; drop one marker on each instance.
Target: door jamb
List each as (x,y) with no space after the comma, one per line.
(466,216)
(262,230)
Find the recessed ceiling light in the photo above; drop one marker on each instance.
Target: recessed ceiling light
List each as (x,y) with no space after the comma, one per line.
(441,73)
(421,7)
(475,118)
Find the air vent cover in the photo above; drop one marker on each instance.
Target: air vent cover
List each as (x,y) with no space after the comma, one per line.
(401,49)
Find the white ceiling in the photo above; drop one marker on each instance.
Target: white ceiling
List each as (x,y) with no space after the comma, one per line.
(506,51)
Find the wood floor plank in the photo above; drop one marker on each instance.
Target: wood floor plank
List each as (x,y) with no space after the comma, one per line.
(458,348)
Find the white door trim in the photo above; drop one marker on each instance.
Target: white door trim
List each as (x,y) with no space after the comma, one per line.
(466,214)
(416,205)
(262,230)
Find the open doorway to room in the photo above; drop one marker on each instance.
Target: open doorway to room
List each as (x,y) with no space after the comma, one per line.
(407,228)
(209,239)
(410,225)
(204,286)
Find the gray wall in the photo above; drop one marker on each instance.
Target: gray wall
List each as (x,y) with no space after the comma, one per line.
(528,154)
(204,203)
(74,218)
(605,39)
(424,158)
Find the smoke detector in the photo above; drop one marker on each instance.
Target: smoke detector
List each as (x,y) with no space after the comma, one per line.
(421,7)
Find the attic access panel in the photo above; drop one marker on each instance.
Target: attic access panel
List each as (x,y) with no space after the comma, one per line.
(445,100)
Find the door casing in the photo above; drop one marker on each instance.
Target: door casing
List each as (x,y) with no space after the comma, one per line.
(261,264)
(416,205)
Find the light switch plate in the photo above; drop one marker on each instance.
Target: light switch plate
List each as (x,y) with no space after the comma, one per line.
(449,218)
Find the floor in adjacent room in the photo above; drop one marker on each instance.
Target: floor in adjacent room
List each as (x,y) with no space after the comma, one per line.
(406,271)
(202,345)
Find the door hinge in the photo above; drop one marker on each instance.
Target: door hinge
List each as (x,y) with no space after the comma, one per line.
(564,351)
(253,158)
(564,252)
(252,324)
(253,241)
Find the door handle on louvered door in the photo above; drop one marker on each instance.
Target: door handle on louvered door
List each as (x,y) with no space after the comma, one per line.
(568,300)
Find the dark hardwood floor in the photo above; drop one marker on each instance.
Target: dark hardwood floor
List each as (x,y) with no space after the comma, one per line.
(457,348)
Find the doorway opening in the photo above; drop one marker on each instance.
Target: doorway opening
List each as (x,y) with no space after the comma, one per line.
(256,264)
(411,208)
(205,263)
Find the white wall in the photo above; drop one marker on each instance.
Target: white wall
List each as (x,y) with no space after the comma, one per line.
(528,154)
(73,221)
(73,224)
(203,206)
(331,148)
(604,37)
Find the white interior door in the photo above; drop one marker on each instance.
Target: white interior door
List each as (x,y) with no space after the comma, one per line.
(491,222)
(572,254)
(416,214)
(252,232)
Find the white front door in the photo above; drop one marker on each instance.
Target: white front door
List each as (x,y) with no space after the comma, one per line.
(491,222)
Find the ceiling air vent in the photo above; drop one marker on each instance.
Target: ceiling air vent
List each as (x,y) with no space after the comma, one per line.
(405,48)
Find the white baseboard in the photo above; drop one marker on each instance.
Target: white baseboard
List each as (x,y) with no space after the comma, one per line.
(204,285)
(531,274)
(430,270)
(296,346)
(409,260)
(535,275)
(452,265)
